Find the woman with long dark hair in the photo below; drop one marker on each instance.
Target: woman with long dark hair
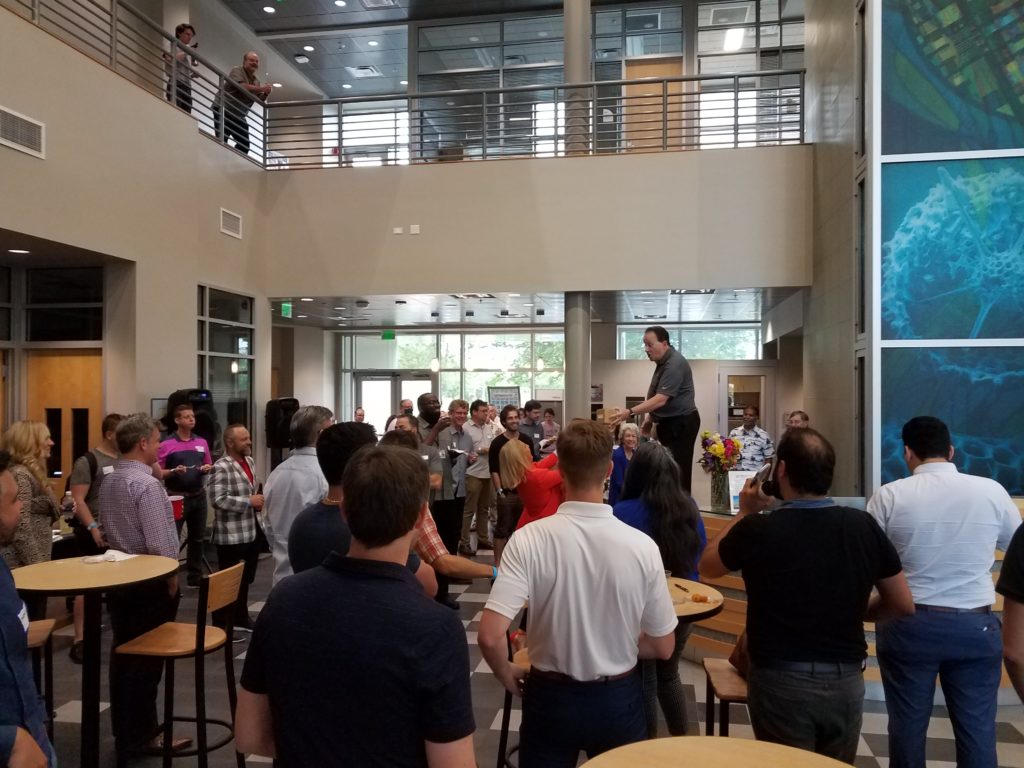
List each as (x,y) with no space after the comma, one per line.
(652,501)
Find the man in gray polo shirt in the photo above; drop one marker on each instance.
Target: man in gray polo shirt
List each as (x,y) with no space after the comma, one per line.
(669,402)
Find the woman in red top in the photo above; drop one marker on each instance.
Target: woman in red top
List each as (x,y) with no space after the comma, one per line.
(539,484)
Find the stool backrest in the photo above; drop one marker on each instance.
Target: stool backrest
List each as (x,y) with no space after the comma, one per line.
(223,587)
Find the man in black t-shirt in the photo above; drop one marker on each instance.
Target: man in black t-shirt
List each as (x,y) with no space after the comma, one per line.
(1011,587)
(809,568)
(350,663)
(509,507)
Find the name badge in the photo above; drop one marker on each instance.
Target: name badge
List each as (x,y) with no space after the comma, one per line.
(107,470)
(426,457)
(199,449)
(23,617)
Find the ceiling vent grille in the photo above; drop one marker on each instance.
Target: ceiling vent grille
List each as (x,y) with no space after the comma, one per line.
(728,15)
(22,133)
(230,223)
(373,5)
(364,70)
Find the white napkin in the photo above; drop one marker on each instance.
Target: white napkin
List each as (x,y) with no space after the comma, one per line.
(110,556)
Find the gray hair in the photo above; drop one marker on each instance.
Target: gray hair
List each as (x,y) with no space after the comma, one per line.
(134,428)
(627,428)
(307,423)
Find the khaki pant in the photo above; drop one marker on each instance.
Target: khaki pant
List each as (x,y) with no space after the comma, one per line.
(479,497)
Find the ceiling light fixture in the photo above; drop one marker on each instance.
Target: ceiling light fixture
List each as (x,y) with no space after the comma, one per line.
(373,43)
(269,9)
(346,85)
(403,82)
(340,309)
(234,366)
(542,34)
(340,3)
(474,39)
(301,317)
(733,39)
(305,298)
(308,48)
(278,85)
(18,250)
(515,295)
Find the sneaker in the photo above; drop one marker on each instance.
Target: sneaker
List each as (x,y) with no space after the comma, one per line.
(77,652)
(239,636)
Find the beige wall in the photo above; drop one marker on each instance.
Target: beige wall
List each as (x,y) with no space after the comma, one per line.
(640,221)
(828,355)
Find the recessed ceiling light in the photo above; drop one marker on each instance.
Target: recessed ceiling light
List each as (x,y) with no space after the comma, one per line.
(346,85)
(542,34)
(269,9)
(340,309)
(302,317)
(474,39)
(513,294)
(305,298)
(340,3)
(527,304)
(278,85)
(373,42)
(451,103)
(309,48)
(403,82)
(646,292)
(342,325)
(18,250)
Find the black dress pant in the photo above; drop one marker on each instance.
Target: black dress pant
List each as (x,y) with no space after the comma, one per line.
(134,680)
(227,556)
(679,435)
(448,517)
(194,516)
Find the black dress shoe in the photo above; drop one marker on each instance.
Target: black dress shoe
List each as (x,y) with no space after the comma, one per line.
(451,602)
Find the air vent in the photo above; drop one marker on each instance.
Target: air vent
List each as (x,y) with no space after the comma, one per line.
(374,5)
(364,71)
(230,223)
(22,133)
(472,295)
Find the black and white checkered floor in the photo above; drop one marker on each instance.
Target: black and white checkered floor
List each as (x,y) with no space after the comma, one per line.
(488,698)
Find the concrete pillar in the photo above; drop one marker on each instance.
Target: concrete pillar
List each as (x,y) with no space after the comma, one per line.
(577,355)
(577,70)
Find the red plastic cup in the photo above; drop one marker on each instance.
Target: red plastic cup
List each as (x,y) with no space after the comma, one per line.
(178,505)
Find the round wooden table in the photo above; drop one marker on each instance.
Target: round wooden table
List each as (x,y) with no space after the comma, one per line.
(682,592)
(73,576)
(719,751)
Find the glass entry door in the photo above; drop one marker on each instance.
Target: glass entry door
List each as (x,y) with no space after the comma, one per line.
(380,393)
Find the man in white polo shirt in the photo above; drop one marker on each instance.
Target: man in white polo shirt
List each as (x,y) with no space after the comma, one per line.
(945,526)
(598,601)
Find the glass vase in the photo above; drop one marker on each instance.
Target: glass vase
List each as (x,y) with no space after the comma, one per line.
(720,492)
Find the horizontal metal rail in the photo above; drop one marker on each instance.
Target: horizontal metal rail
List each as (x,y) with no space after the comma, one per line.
(752,109)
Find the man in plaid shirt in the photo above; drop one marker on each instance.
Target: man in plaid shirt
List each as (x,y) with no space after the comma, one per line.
(233,494)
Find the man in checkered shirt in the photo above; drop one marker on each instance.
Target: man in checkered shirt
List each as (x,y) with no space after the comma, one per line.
(236,496)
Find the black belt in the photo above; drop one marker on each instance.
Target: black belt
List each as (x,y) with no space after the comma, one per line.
(945,609)
(812,667)
(560,677)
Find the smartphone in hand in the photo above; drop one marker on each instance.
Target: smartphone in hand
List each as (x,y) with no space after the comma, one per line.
(763,473)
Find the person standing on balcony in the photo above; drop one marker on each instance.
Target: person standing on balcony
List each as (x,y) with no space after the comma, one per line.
(239,92)
(179,69)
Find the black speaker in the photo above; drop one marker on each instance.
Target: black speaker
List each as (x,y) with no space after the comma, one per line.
(201,400)
(278,420)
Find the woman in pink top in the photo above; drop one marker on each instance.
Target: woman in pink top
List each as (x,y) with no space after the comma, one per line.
(539,484)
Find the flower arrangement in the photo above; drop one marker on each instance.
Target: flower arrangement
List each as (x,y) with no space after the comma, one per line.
(720,453)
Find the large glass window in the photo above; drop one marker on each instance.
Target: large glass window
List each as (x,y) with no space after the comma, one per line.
(226,359)
(63,304)
(718,342)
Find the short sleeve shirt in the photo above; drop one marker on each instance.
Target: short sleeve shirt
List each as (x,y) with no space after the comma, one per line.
(81,474)
(672,377)
(808,572)
(360,667)
(192,454)
(1011,576)
(495,451)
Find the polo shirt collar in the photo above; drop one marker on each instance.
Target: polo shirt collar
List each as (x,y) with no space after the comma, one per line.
(372,568)
(935,466)
(308,450)
(584,509)
(667,356)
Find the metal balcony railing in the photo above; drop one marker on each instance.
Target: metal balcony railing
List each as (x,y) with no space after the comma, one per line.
(752,109)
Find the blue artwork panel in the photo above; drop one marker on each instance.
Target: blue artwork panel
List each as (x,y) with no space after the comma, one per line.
(977,391)
(952,75)
(953,249)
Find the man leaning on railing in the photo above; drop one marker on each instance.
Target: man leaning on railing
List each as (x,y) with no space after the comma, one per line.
(239,92)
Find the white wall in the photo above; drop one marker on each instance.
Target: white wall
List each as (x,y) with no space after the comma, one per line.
(314,373)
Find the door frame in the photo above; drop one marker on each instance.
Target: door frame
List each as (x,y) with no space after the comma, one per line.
(769,417)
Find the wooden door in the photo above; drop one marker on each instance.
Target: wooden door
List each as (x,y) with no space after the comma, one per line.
(65,392)
(647,124)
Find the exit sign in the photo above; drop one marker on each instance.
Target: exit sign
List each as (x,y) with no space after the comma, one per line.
(286,309)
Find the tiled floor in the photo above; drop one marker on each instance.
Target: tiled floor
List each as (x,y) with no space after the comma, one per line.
(488,698)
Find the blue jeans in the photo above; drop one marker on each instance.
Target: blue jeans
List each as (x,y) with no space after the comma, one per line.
(662,685)
(819,711)
(561,718)
(965,651)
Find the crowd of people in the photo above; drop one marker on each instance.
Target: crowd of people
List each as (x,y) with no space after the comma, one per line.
(357,658)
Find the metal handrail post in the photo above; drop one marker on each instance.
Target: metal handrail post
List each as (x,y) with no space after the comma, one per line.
(594,115)
(113,34)
(664,115)
(735,111)
(266,133)
(35,11)
(341,133)
(483,127)
(803,100)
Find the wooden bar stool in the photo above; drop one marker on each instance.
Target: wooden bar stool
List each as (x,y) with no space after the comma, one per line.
(175,640)
(725,683)
(40,642)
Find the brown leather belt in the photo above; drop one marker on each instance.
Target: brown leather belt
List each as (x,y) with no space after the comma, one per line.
(946,609)
(560,677)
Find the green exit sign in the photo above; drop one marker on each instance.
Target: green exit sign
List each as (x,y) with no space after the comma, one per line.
(387,335)
(286,309)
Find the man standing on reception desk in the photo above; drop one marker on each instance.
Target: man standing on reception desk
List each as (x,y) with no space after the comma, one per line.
(669,402)
(946,527)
